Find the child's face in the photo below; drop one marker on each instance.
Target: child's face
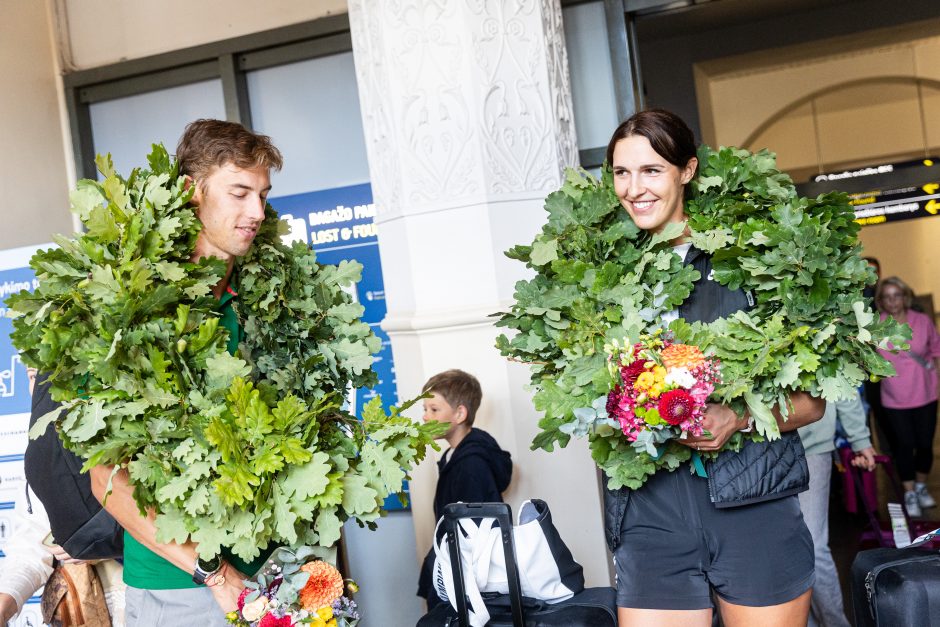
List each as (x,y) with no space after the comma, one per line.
(436,408)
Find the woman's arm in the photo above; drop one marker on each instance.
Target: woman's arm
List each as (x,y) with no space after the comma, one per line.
(804,410)
(932,343)
(721,421)
(851,414)
(121,505)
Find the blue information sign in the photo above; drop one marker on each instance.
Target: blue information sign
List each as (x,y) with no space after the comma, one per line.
(14,385)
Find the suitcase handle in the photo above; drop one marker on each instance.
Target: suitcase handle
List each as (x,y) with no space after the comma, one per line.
(502,513)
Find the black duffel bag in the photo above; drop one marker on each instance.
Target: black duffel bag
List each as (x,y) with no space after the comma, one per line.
(79,524)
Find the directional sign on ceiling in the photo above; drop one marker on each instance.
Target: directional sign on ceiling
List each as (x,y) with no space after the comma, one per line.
(886,192)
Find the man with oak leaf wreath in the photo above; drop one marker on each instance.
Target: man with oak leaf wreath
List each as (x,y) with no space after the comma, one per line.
(168,584)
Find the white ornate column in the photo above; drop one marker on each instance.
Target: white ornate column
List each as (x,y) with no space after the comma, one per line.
(466,108)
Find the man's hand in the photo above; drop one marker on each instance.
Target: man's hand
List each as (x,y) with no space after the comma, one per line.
(720,423)
(864,458)
(7,608)
(60,555)
(226,585)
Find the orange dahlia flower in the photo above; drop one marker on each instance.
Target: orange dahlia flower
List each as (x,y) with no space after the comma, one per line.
(682,356)
(324,586)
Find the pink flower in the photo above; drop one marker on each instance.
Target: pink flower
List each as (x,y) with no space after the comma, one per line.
(241,598)
(270,620)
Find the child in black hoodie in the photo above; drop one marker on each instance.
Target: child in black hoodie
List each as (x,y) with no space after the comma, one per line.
(474,469)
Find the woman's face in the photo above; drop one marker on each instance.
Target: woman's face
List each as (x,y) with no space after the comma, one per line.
(649,187)
(892,300)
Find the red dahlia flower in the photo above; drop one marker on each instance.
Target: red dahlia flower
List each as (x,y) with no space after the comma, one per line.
(676,406)
(270,620)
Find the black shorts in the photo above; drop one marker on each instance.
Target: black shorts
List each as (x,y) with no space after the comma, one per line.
(676,547)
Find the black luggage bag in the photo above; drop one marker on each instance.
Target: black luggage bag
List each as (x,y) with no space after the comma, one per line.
(592,607)
(897,587)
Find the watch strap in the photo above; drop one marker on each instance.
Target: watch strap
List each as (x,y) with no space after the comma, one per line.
(204,569)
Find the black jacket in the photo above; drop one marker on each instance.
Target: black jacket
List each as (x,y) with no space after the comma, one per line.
(477,471)
(760,471)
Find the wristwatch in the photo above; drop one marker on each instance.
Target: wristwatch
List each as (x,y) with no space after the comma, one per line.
(206,568)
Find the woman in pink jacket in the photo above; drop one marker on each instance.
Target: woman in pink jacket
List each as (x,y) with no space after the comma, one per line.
(910,398)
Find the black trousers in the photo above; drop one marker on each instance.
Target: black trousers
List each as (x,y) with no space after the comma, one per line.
(910,434)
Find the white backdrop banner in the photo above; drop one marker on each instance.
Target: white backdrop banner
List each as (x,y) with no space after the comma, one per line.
(15,402)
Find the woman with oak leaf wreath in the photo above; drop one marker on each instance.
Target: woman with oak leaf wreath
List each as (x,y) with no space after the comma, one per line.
(673,547)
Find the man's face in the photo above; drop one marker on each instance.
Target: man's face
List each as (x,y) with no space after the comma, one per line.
(230,204)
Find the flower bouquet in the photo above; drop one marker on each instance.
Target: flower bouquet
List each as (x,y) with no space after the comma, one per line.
(660,390)
(296,588)
(656,392)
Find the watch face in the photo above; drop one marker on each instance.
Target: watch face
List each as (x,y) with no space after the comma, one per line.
(210,565)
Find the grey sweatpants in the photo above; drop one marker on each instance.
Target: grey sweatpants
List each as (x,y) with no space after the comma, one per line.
(169,608)
(826,609)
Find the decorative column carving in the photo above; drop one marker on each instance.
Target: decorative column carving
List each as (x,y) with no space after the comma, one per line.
(467,115)
(463,101)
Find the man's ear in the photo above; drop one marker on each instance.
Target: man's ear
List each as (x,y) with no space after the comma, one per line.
(188,183)
(461,416)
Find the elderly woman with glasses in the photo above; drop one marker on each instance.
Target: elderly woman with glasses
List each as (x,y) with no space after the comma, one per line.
(909,399)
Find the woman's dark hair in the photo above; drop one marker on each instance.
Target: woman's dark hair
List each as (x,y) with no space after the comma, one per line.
(669,136)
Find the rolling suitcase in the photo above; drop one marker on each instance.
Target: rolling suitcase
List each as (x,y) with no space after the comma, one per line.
(897,587)
(592,607)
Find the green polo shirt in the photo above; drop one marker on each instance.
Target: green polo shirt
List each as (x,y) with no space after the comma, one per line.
(145,569)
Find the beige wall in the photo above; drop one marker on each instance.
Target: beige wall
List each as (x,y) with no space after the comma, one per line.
(870,98)
(100,32)
(742,97)
(908,249)
(34,180)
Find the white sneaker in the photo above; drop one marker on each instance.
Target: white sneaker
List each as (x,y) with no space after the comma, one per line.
(912,505)
(923,496)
